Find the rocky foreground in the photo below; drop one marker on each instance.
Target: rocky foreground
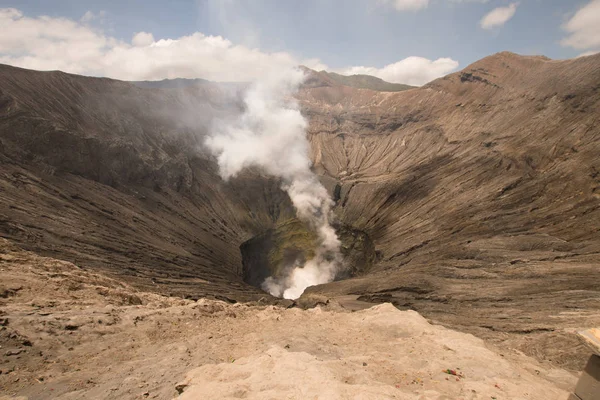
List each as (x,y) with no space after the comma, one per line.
(70,334)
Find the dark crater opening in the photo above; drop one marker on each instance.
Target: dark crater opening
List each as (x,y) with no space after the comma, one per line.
(292,243)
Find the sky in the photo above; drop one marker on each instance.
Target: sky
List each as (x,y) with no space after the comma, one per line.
(403,41)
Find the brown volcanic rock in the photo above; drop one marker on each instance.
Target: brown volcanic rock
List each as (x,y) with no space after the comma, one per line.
(111,176)
(74,334)
(480,190)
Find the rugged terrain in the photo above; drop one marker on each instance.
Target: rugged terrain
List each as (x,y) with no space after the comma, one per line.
(480,191)
(71,334)
(365,82)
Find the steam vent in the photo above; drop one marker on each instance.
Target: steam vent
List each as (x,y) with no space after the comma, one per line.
(298,234)
(293,243)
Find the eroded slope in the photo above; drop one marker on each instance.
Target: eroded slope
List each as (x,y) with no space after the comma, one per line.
(481,191)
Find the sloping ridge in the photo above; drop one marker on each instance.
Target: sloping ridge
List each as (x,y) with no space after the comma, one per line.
(361,81)
(480,190)
(326,79)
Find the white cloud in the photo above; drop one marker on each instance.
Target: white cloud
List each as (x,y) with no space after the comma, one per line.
(141,39)
(47,43)
(90,16)
(405,5)
(411,70)
(414,5)
(588,53)
(314,63)
(584,27)
(498,16)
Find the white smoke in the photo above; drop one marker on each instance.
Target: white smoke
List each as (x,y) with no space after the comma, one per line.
(271,134)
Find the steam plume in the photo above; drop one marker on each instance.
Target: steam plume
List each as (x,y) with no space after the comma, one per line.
(271,134)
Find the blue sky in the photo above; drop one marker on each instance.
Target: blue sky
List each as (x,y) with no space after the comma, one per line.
(339,33)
